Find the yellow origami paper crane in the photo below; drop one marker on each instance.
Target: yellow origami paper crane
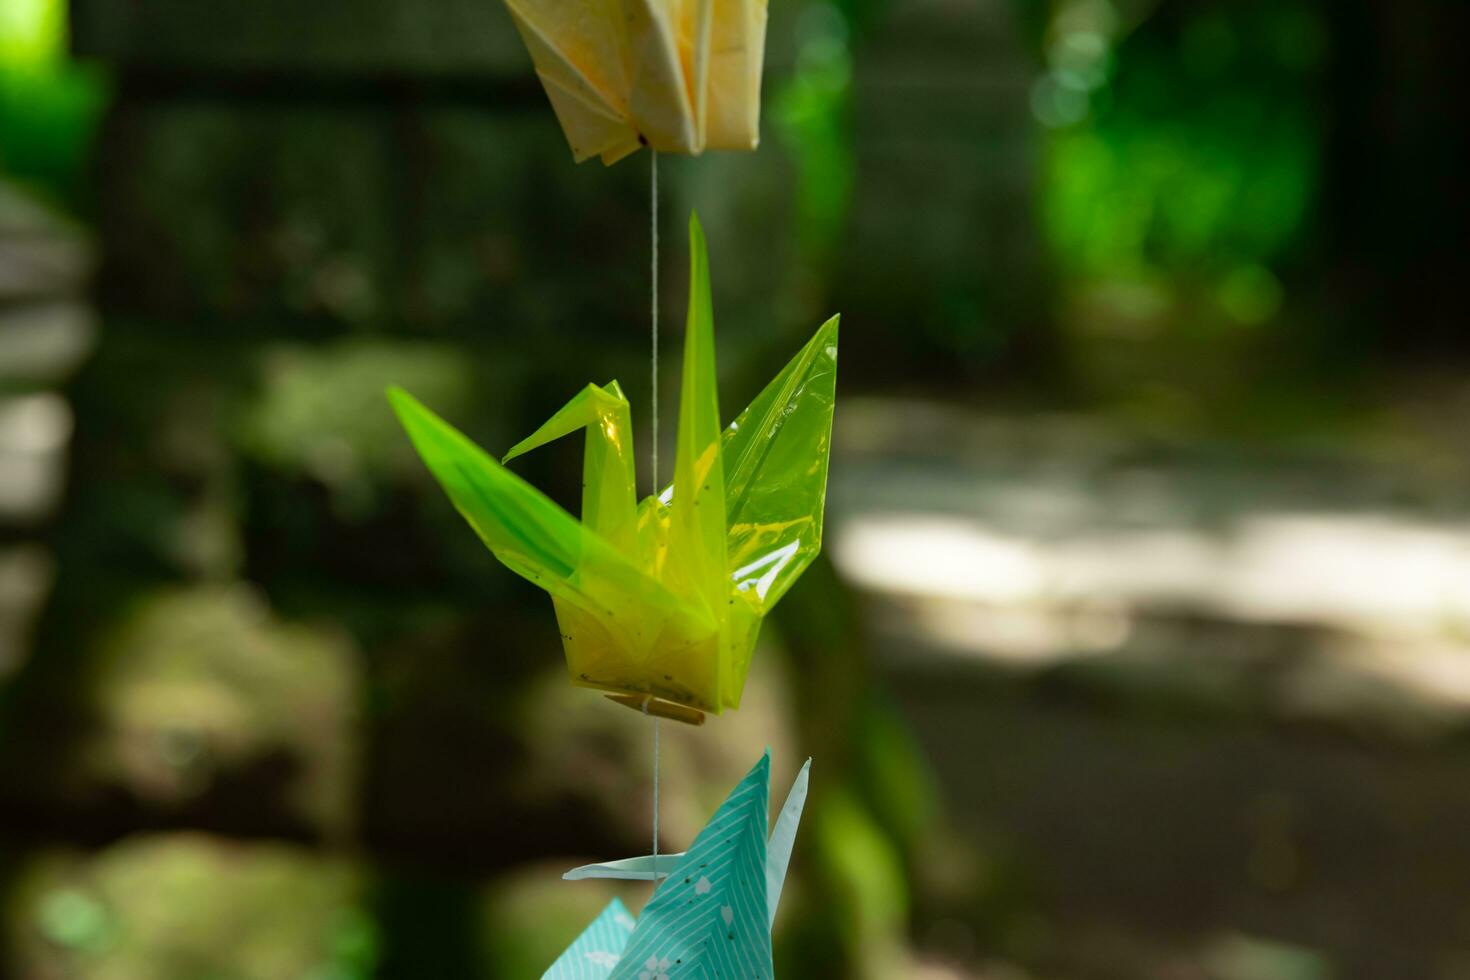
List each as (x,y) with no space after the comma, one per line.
(681,76)
(660,601)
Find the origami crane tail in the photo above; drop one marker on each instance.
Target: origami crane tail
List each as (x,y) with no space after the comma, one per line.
(609,505)
(776,455)
(529,532)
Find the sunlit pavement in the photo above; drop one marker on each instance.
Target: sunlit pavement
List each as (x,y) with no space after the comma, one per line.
(1145,672)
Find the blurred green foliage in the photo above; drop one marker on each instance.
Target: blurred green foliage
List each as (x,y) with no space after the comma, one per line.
(1185,148)
(811,114)
(190,684)
(49,106)
(865,880)
(319,412)
(167,907)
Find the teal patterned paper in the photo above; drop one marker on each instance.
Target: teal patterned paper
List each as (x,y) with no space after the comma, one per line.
(646,868)
(711,918)
(598,949)
(783,839)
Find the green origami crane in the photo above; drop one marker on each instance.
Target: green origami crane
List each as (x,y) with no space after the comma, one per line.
(660,602)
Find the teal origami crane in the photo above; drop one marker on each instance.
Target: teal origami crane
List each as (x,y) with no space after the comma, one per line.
(660,602)
(711,917)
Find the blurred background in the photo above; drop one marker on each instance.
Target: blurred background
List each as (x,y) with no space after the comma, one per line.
(1141,643)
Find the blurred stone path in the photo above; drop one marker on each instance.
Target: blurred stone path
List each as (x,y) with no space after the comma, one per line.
(1178,694)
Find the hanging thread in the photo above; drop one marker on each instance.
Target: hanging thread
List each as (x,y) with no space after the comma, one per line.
(653,302)
(655,802)
(653,377)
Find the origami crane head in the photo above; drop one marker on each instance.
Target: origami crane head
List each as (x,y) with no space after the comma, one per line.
(660,602)
(712,916)
(680,77)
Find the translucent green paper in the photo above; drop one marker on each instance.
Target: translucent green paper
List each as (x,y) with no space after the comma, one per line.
(661,598)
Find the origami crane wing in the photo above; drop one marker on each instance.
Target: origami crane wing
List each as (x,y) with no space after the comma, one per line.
(776,454)
(783,839)
(678,75)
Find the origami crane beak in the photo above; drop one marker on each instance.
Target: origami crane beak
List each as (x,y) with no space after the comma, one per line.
(660,601)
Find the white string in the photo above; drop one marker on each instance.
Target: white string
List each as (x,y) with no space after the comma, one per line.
(653,373)
(653,302)
(655,801)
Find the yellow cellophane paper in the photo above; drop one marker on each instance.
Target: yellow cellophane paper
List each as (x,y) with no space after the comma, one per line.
(663,597)
(681,76)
